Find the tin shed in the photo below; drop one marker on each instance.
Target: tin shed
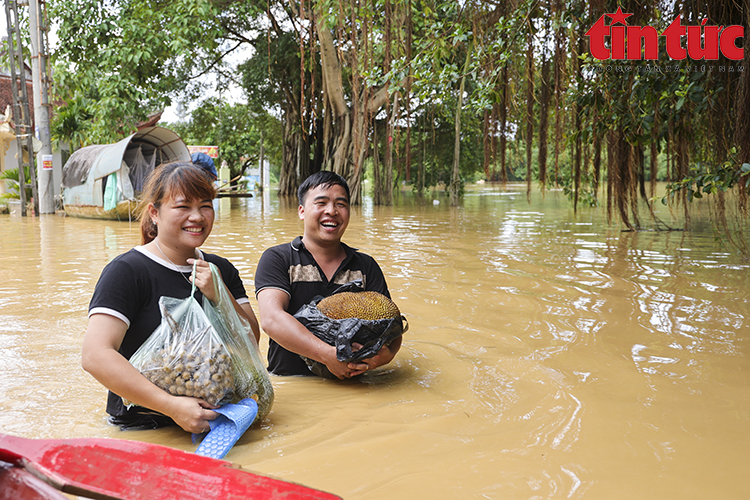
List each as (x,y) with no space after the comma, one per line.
(104,181)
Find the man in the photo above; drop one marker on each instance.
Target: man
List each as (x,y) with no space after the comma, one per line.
(317,263)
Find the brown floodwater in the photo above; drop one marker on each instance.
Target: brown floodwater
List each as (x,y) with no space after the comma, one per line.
(549,354)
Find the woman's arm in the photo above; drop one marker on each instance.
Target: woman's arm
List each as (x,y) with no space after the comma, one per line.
(100,357)
(246,310)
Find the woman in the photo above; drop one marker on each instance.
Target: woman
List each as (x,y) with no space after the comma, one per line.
(176,219)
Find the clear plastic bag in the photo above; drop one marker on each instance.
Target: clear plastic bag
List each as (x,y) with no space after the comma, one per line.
(251,378)
(185,355)
(205,352)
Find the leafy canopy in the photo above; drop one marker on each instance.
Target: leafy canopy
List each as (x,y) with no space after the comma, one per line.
(119,61)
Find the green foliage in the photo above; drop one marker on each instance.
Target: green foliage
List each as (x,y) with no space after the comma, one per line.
(683,109)
(586,196)
(121,60)
(272,70)
(706,180)
(236,130)
(72,123)
(10,177)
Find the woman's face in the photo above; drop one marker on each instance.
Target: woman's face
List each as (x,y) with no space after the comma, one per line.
(183,223)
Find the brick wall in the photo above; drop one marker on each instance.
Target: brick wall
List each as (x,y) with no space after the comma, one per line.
(6,98)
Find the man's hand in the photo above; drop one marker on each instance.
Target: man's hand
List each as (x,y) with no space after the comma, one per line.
(384,356)
(342,370)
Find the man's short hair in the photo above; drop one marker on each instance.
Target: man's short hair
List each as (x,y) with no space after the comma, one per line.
(324,178)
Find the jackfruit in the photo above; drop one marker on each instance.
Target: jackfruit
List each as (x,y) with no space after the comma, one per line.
(362,305)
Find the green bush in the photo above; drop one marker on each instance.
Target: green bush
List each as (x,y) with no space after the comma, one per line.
(10,176)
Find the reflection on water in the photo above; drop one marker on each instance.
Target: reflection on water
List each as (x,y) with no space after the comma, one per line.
(549,355)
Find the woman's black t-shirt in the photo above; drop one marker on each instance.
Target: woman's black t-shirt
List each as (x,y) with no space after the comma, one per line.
(129,288)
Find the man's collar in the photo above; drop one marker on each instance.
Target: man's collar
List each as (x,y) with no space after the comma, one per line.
(298,245)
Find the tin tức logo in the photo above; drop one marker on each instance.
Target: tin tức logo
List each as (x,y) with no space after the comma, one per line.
(629,43)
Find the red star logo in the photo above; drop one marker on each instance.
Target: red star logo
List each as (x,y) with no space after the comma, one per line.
(619,17)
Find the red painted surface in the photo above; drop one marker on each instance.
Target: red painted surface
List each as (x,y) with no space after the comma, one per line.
(132,470)
(19,484)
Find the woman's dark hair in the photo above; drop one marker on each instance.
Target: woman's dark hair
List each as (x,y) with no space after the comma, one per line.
(324,178)
(169,181)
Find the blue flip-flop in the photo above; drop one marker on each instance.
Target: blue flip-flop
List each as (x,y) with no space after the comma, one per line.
(227,428)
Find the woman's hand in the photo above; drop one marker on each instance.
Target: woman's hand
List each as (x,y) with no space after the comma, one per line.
(192,414)
(203,279)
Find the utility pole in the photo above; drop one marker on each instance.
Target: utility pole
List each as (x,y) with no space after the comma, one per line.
(262,162)
(21,114)
(39,26)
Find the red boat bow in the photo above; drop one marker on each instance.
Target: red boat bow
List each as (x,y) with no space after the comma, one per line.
(116,469)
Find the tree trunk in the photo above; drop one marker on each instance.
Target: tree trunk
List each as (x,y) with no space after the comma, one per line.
(486,143)
(387,177)
(681,166)
(529,110)
(455,187)
(423,160)
(377,183)
(559,71)
(641,170)
(543,123)
(292,135)
(390,139)
(742,112)
(654,151)
(350,130)
(288,179)
(407,98)
(611,148)
(597,162)
(493,143)
(504,125)
(622,177)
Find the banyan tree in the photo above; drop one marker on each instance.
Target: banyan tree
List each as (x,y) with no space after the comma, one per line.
(432,93)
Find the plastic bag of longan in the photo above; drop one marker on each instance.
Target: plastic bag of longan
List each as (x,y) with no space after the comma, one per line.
(251,378)
(185,355)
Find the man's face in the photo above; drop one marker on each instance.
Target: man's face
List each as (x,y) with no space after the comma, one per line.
(325,214)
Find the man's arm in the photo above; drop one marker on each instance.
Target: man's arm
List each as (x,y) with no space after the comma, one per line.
(293,336)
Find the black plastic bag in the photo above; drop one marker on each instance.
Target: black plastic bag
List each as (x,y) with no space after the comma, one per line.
(342,333)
